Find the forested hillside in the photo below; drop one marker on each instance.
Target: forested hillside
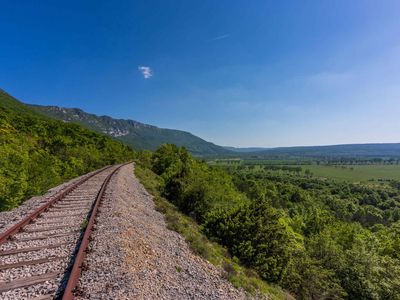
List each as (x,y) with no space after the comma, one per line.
(138,135)
(316,238)
(37,153)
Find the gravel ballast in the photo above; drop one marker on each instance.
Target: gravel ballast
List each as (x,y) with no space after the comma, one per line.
(134,256)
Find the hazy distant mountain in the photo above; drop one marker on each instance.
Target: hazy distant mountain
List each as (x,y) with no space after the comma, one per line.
(133,133)
(245,150)
(345,151)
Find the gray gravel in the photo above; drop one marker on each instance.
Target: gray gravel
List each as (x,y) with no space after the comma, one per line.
(134,256)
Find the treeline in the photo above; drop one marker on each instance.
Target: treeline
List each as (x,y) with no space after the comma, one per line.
(295,169)
(359,161)
(37,153)
(301,234)
(331,161)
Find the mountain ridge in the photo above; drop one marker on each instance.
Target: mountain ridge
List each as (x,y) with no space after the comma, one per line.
(246,149)
(139,135)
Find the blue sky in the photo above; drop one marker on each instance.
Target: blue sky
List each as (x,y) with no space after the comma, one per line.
(240,73)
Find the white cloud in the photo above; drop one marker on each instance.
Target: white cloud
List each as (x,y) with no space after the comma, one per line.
(147,72)
(220,37)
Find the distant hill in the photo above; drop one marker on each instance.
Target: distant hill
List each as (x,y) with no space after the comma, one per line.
(138,135)
(334,151)
(246,150)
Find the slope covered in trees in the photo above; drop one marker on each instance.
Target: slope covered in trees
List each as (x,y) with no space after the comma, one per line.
(316,238)
(37,153)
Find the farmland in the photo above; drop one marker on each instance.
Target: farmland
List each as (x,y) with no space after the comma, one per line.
(357,172)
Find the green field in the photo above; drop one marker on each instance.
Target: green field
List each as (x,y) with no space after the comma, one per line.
(353,173)
(356,173)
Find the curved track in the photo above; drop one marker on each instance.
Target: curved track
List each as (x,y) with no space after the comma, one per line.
(42,255)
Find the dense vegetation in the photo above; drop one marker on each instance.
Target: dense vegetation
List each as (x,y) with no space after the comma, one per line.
(37,153)
(236,273)
(135,134)
(316,238)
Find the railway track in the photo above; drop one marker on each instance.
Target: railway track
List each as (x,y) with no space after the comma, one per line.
(41,256)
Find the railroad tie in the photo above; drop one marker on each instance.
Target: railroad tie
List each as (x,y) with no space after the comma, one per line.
(23,282)
(33,230)
(43,237)
(30,249)
(30,262)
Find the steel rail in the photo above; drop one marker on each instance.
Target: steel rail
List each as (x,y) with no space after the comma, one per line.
(68,293)
(59,195)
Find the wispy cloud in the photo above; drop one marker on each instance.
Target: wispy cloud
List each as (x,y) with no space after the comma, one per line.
(329,79)
(220,37)
(147,72)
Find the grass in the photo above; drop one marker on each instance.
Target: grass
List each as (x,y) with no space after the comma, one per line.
(239,276)
(356,173)
(84,224)
(178,269)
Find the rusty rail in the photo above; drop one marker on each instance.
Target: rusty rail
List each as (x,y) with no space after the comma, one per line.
(59,195)
(80,256)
